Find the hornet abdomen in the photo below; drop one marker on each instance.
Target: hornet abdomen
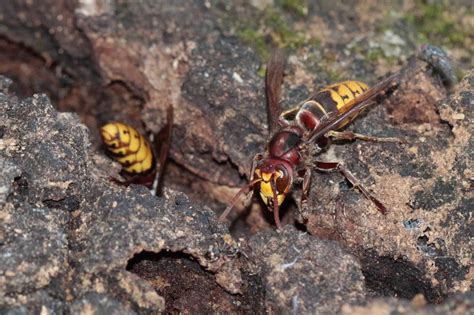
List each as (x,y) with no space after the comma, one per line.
(333,98)
(128,147)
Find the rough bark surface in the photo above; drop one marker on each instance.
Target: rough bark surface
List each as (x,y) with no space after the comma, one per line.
(71,241)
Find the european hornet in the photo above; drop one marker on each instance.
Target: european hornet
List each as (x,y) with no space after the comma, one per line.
(136,154)
(298,135)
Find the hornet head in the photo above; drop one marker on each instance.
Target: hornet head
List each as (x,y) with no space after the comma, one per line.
(276,178)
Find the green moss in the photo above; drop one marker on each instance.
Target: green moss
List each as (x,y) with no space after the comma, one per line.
(256,39)
(377,54)
(299,7)
(335,75)
(282,33)
(326,66)
(435,24)
(262,70)
(272,28)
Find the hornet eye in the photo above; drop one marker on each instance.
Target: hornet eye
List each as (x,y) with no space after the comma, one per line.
(283,180)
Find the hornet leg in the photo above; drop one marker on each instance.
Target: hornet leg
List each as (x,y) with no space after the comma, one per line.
(306,184)
(162,145)
(256,158)
(276,210)
(349,135)
(336,166)
(244,190)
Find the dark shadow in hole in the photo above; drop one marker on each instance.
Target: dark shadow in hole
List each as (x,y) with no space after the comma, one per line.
(301,227)
(28,70)
(186,286)
(385,276)
(72,86)
(239,227)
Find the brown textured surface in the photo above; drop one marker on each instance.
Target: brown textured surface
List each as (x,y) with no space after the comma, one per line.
(426,186)
(71,241)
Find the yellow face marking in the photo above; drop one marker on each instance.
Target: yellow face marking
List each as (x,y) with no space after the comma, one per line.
(258,173)
(280,199)
(266,177)
(266,191)
(266,199)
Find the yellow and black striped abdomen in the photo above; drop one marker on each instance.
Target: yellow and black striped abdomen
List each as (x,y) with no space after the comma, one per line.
(336,96)
(128,147)
(333,98)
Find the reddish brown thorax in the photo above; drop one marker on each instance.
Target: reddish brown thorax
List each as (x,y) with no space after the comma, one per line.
(284,145)
(277,169)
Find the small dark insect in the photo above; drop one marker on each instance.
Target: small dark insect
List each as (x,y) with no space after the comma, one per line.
(440,62)
(135,153)
(299,134)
